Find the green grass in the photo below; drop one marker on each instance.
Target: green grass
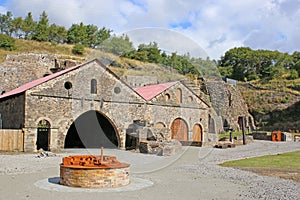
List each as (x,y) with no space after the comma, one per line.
(227,134)
(289,160)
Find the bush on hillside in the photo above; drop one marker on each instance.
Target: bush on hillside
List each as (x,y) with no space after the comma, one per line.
(78,49)
(7,42)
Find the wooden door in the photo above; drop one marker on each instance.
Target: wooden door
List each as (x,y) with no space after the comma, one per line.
(179,130)
(197,133)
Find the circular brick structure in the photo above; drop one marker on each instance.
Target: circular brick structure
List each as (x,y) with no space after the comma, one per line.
(89,171)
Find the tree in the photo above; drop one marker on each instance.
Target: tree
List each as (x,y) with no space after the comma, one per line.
(77,34)
(5,23)
(16,27)
(117,45)
(28,26)
(41,32)
(102,35)
(7,42)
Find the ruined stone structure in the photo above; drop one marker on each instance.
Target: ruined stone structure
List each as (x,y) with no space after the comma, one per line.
(89,106)
(19,69)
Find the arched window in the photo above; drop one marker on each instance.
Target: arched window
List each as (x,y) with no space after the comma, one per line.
(167,97)
(178,96)
(93,86)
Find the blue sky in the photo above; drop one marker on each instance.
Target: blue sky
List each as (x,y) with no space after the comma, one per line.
(215,25)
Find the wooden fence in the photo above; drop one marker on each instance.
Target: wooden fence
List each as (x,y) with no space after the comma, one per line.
(11,140)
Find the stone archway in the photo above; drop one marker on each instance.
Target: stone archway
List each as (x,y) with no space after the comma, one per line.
(197,133)
(43,135)
(92,129)
(179,130)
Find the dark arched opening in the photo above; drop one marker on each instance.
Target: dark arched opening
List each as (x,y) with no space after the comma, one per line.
(43,135)
(92,130)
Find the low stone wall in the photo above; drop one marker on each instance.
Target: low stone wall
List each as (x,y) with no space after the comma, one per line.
(94,178)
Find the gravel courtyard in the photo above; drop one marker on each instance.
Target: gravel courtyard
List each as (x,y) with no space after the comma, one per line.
(194,174)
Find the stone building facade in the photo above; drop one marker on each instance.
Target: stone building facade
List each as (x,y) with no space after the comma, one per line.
(89,106)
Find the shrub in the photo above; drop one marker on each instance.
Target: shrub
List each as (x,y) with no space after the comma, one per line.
(7,42)
(78,49)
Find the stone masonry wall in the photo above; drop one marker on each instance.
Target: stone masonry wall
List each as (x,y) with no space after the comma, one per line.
(19,69)
(12,112)
(94,178)
(53,102)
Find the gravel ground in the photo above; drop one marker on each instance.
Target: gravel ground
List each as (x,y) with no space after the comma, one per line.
(194,174)
(260,187)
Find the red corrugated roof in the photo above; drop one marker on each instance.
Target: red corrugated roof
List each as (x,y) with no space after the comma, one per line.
(37,82)
(150,91)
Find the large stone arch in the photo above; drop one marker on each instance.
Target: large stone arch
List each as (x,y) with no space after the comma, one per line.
(92,129)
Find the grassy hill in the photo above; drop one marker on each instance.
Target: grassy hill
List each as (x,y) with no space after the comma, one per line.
(274,104)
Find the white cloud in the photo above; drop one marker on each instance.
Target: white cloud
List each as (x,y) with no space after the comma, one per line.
(214,25)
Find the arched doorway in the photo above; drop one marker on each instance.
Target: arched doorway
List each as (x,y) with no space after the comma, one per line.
(179,130)
(197,133)
(92,130)
(43,135)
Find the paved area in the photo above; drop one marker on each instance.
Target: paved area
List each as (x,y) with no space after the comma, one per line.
(194,174)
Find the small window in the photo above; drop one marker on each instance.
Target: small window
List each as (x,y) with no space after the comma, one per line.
(68,85)
(93,86)
(190,99)
(117,90)
(167,97)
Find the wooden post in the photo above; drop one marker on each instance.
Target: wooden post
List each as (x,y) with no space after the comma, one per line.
(243,130)
(101,158)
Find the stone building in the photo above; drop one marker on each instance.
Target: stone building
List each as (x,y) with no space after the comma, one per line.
(89,106)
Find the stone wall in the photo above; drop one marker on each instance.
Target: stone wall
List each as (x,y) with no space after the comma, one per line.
(139,81)
(61,105)
(237,107)
(94,178)
(19,69)
(53,102)
(12,112)
(229,104)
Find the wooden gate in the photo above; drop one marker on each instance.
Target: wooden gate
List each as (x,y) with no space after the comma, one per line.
(179,130)
(197,133)
(11,140)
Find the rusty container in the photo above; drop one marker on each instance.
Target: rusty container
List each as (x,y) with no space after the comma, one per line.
(276,136)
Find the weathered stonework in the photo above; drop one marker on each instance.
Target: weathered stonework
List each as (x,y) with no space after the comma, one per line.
(63,99)
(94,178)
(12,112)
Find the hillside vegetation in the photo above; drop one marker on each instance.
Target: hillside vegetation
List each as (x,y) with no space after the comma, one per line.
(268,80)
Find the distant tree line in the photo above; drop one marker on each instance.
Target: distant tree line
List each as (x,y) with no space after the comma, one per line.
(245,64)
(240,63)
(42,31)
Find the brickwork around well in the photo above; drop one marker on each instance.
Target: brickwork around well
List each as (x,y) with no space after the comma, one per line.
(94,178)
